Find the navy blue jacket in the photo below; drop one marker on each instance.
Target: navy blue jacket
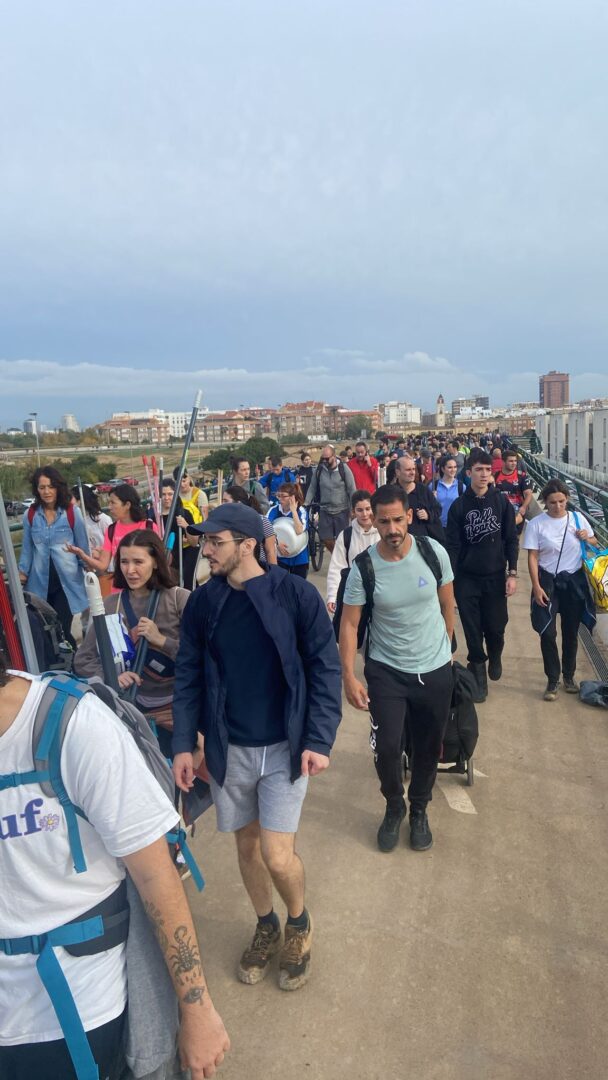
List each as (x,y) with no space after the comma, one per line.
(294,616)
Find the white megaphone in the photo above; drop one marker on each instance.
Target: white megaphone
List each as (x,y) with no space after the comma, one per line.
(286,534)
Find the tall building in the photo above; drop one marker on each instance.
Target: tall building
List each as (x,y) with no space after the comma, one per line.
(472,406)
(554,390)
(30,427)
(440,412)
(69,422)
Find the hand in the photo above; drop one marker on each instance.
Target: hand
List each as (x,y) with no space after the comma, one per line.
(541,597)
(581,534)
(283,550)
(293,505)
(181,521)
(73,550)
(313,764)
(518,519)
(422,515)
(356,694)
(331,607)
(511,585)
(183,771)
(22,577)
(127,679)
(202,1040)
(148,629)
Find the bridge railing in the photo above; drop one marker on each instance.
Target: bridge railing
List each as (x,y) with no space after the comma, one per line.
(585,496)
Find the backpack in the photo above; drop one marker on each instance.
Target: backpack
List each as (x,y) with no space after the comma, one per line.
(368,578)
(52,649)
(286,479)
(462,729)
(31,513)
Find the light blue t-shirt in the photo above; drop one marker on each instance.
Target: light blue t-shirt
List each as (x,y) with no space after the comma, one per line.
(407,630)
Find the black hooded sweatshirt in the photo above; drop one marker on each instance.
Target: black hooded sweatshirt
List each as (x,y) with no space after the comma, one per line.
(481,534)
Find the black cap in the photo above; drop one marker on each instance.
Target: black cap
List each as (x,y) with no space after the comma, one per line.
(235,517)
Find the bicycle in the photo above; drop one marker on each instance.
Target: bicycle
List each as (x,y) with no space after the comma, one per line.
(316,548)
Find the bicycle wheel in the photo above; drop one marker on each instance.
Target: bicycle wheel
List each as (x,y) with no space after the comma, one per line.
(316,548)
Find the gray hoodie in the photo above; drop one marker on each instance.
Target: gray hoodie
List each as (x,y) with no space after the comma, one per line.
(330,490)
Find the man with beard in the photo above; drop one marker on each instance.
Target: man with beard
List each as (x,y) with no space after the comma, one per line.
(408,659)
(426,511)
(258,674)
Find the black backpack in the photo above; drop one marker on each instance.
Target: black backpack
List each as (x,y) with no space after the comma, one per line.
(368,577)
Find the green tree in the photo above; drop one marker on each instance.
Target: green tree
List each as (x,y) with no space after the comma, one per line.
(356,425)
(255,450)
(13,481)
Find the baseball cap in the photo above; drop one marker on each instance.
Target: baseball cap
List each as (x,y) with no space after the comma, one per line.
(236,517)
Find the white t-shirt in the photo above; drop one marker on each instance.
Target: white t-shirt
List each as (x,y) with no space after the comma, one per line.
(105,776)
(96,529)
(544,534)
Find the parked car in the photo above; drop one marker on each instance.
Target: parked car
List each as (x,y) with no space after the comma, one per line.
(104,487)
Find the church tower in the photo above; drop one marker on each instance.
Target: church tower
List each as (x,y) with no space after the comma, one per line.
(440,412)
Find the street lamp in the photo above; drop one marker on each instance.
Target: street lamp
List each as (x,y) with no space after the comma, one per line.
(35,415)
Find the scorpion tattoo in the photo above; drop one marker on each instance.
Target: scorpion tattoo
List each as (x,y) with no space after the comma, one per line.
(186,962)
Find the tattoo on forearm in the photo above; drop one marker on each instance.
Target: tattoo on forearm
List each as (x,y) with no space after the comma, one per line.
(185,959)
(158,924)
(194,996)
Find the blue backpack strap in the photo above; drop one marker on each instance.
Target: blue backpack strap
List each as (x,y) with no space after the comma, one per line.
(178,836)
(60,698)
(57,987)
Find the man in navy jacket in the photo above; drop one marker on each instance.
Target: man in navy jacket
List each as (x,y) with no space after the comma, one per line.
(258,675)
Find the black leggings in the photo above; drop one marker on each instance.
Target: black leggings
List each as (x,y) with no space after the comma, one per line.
(299,571)
(59,602)
(419,704)
(52,1061)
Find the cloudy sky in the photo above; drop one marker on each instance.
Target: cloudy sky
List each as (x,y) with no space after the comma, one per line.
(273,201)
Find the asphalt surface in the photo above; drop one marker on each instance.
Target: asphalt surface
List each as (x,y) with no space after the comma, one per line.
(482,959)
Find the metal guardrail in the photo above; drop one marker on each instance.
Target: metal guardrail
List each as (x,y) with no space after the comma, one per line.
(584,496)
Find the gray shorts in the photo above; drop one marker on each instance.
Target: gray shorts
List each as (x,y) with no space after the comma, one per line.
(331,525)
(258,788)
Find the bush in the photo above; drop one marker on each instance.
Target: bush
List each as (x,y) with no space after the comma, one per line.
(255,450)
(14,481)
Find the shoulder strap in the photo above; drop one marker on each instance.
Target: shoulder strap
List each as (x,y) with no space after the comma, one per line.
(559,557)
(127,607)
(430,556)
(348,535)
(31,513)
(461,487)
(368,577)
(60,698)
(71,517)
(342,471)
(111,531)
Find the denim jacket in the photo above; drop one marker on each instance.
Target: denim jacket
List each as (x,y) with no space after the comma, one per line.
(294,616)
(43,542)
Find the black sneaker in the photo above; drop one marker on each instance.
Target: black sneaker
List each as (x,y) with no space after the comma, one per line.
(570,686)
(421,837)
(550,693)
(388,833)
(480,692)
(494,668)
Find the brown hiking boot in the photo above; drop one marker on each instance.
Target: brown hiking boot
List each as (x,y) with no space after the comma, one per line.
(294,961)
(255,961)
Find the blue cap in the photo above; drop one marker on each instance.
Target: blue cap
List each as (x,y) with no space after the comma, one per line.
(234,517)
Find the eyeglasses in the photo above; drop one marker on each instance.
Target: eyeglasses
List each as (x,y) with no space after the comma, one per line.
(213,543)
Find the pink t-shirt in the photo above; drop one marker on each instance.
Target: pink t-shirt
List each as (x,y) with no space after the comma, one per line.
(121,529)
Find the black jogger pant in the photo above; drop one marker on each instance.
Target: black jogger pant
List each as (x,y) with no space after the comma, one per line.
(482,606)
(569,604)
(422,702)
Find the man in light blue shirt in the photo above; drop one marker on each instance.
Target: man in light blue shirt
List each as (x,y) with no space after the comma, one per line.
(408,666)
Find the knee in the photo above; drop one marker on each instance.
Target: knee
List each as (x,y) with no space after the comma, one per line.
(278,862)
(248,844)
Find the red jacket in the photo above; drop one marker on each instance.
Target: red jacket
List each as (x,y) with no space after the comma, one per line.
(366,476)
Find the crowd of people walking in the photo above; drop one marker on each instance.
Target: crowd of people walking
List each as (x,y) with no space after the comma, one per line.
(243,684)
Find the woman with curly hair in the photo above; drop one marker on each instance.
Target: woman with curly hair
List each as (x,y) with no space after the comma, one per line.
(54,534)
